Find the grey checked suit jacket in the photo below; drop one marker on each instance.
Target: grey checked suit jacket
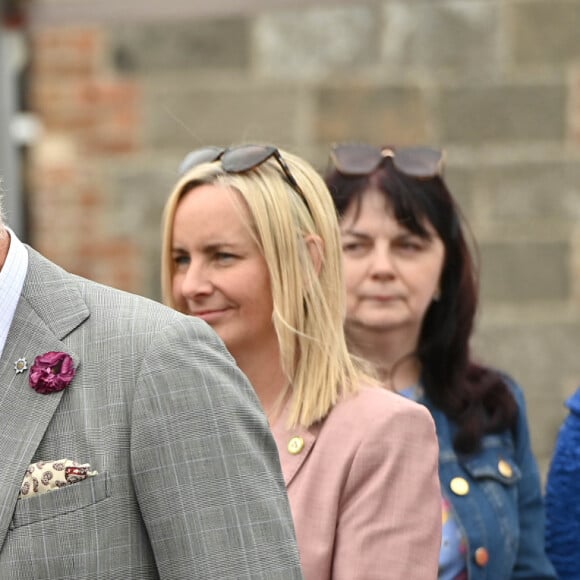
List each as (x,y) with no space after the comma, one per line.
(189,483)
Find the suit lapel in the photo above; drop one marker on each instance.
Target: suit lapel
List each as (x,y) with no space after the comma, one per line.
(49,309)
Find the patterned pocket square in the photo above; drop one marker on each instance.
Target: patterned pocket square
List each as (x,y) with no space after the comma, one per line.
(45,476)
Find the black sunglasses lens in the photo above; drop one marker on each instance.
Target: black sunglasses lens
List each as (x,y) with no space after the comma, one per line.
(356,159)
(246,157)
(418,161)
(199,156)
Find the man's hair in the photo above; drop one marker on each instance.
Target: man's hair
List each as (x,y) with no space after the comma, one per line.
(2,224)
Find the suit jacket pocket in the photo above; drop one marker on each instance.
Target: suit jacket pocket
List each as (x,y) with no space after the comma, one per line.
(62,501)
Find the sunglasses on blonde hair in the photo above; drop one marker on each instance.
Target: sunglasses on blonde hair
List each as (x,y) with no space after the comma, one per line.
(359,159)
(240,159)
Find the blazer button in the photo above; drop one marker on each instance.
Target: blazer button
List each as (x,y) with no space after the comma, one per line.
(295,445)
(459,486)
(481,556)
(505,468)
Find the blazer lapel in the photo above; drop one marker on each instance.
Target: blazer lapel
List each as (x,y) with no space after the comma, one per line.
(42,319)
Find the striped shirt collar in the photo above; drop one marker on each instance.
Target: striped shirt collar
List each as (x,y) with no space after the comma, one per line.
(12,277)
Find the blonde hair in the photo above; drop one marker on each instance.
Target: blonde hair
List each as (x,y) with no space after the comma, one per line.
(308,295)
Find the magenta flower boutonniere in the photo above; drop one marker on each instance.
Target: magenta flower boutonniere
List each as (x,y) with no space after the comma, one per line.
(51,372)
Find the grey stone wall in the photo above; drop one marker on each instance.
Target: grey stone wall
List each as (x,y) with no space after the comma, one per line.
(495,82)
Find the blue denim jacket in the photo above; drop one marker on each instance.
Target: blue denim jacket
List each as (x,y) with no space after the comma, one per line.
(500,510)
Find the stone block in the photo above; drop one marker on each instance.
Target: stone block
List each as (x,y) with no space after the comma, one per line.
(544,419)
(524,192)
(182,117)
(446,35)
(525,271)
(503,113)
(317,42)
(181,46)
(575,107)
(575,264)
(460,183)
(545,32)
(379,115)
(138,192)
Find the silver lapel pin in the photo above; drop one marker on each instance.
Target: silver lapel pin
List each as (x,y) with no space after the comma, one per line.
(20,365)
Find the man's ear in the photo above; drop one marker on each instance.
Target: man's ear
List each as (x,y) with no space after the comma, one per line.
(315,247)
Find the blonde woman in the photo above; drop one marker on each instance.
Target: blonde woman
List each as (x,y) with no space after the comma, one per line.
(251,245)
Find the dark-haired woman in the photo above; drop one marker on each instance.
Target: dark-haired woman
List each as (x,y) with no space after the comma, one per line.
(411,301)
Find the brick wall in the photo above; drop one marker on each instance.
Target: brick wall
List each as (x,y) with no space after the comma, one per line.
(90,115)
(496,82)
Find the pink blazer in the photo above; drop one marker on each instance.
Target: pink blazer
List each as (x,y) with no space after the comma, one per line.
(364,489)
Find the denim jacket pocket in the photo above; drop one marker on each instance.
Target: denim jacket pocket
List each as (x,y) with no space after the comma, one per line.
(495,465)
(495,461)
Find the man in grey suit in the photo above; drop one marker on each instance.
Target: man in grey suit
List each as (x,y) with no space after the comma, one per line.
(131,446)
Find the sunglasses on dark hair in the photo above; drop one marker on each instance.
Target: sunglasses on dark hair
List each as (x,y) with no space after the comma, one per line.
(240,159)
(358,159)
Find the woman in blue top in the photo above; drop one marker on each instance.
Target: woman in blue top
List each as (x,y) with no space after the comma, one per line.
(411,302)
(563,496)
